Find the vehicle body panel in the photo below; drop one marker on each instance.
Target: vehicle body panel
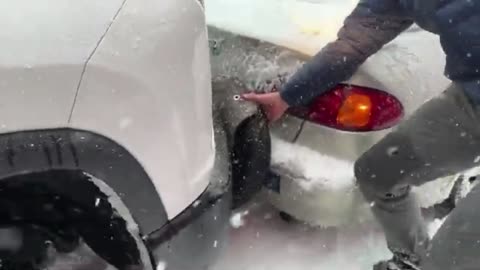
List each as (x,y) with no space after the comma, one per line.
(199,233)
(142,88)
(148,87)
(251,62)
(42,60)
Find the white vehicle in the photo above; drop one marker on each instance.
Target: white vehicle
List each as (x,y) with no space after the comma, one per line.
(110,136)
(314,148)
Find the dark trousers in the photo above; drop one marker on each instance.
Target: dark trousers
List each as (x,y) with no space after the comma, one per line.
(441,138)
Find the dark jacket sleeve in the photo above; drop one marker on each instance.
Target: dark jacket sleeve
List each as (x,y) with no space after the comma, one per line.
(365,31)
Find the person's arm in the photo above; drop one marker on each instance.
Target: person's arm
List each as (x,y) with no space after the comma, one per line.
(365,31)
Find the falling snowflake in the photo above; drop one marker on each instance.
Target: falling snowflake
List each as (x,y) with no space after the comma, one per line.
(196,203)
(97,202)
(237,219)
(161,266)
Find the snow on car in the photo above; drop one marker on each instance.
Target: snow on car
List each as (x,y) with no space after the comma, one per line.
(313,149)
(112,136)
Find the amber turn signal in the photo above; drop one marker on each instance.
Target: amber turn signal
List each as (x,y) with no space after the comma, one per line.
(355,111)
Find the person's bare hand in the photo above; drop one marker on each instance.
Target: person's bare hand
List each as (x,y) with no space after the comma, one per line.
(272,104)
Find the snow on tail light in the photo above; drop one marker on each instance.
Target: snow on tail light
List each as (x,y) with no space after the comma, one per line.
(353,108)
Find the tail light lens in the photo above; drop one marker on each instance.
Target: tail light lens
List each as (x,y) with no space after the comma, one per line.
(353,108)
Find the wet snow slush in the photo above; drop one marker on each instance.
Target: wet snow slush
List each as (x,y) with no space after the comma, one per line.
(266,242)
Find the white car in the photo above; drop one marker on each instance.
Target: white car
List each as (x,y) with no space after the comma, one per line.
(110,136)
(313,149)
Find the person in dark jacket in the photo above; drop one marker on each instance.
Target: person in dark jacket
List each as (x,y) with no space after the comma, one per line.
(439,139)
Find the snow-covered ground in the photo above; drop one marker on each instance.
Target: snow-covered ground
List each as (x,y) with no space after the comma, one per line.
(263,241)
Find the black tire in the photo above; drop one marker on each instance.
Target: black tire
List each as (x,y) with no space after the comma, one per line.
(39,218)
(44,208)
(250,159)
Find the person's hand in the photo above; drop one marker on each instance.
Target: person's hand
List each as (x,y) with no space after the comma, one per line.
(272,104)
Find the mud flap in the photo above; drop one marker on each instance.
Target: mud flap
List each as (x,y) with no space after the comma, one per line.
(248,138)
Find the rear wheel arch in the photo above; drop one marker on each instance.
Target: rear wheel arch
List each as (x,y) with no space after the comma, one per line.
(78,150)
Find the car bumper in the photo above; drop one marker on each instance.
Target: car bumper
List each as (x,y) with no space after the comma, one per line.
(195,238)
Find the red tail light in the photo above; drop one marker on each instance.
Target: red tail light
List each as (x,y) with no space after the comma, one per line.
(353,108)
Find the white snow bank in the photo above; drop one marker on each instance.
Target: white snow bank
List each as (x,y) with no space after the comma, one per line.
(321,190)
(315,188)
(271,244)
(312,169)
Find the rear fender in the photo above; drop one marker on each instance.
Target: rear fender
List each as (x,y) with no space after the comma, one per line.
(257,64)
(247,136)
(240,64)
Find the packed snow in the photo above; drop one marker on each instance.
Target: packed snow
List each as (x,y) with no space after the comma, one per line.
(266,242)
(321,189)
(314,170)
(261,240)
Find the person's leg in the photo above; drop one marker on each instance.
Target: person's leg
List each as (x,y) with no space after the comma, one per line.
(456,246)
(439,139)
